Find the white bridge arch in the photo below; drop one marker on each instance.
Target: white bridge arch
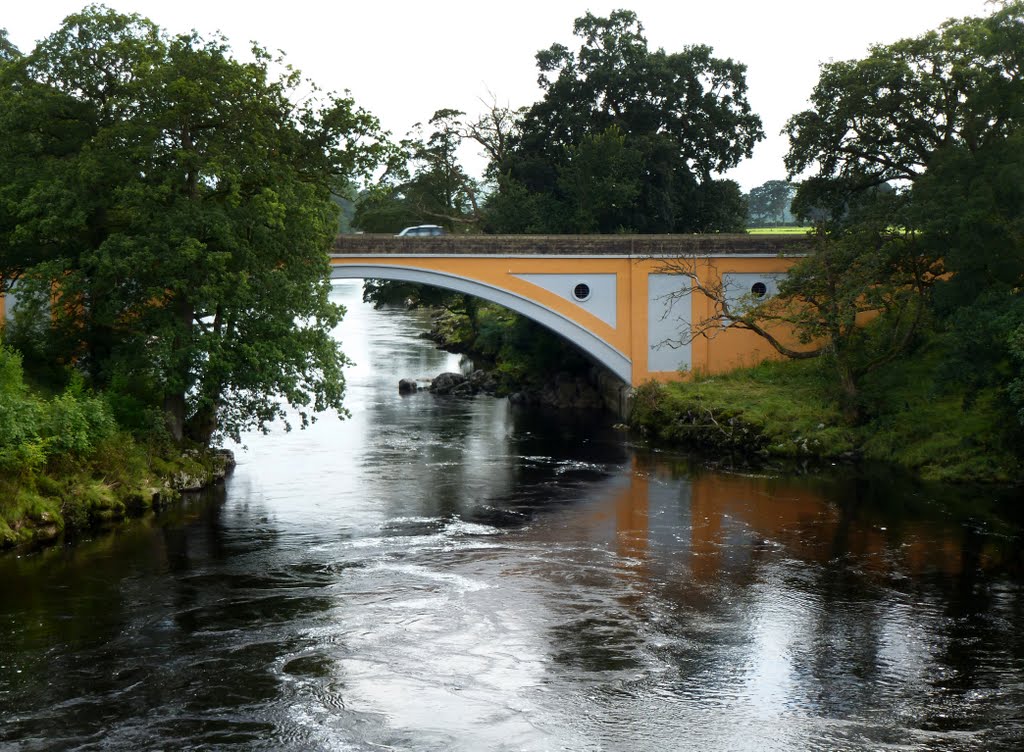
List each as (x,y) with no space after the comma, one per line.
(586,340)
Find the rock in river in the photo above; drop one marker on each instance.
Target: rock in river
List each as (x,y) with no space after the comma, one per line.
(447,383)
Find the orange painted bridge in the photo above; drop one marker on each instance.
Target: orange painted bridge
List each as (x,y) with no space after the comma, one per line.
(612,295)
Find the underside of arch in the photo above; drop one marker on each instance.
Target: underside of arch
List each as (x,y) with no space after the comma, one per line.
(590,343)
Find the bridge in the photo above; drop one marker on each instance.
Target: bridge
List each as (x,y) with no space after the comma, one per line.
(614,296)
(611,295)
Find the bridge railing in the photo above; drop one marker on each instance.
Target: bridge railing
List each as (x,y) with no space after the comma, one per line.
(639,246)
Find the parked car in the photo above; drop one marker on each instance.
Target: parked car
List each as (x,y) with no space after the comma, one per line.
(421,231)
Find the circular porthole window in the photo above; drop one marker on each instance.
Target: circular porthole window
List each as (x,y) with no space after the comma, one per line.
(759,289)
(581,291)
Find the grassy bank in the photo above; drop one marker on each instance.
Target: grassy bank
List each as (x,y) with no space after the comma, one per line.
(121,478)
(67,464)
(791,410)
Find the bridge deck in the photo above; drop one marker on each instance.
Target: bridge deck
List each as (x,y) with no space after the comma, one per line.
(639,246)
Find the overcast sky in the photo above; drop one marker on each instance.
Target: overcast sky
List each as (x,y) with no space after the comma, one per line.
(404,60)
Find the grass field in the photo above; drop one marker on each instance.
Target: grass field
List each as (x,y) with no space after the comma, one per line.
(778,230)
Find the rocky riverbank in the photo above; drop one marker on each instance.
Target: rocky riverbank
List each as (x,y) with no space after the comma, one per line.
(518,359)
(564,391)
(75,504)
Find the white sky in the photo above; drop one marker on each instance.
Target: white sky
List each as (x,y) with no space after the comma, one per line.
(404,60)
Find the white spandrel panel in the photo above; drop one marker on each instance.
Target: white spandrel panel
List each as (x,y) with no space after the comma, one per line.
(669,314)
(600,302)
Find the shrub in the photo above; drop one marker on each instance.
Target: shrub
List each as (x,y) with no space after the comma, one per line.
(1016,386)
(21,449)
(75,422)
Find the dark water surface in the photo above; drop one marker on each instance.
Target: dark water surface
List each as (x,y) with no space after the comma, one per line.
(448,574)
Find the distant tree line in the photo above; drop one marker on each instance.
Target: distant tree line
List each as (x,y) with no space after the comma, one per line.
(624,139)
(771,204)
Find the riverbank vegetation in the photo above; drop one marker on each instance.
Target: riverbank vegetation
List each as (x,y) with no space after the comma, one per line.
(67,465)
(791,411)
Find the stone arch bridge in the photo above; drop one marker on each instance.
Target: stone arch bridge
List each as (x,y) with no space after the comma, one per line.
(614,296)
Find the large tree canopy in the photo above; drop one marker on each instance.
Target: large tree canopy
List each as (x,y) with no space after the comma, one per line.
(886,116)
(941,117)
(769,203)
(626,138)
(180,199)
(929,134)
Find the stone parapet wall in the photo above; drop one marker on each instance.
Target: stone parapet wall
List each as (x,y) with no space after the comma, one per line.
(639,246)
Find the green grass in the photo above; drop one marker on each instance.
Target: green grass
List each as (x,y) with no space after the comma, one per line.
(791,410)
(774,409)
(779,230)
(931,428)
(123,477)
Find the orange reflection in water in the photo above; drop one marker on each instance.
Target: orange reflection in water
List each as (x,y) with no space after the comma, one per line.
(632,518)
(739,510)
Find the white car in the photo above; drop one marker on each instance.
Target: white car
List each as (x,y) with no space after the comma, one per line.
(420,231)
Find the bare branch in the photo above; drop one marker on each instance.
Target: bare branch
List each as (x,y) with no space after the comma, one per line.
(724,314)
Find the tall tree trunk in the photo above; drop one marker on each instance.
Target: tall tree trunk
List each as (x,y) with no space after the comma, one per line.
(175,405)
(850,394)
(203,424)
(174,415)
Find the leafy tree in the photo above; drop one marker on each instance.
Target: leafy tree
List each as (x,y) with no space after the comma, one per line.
(430,185)
(972,208)
(624,136)
(939,117)
(971,203)
(599,181)
(181,200)
(7,49)
(769,203)
(885,117)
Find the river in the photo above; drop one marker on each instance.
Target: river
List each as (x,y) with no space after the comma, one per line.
(454,574)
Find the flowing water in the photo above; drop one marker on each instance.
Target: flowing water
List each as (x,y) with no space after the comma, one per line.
(451,574)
